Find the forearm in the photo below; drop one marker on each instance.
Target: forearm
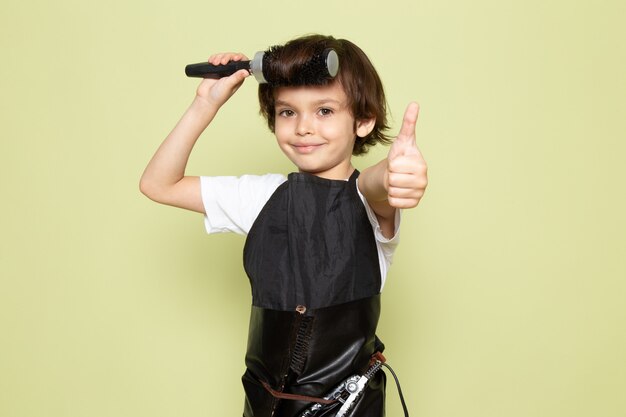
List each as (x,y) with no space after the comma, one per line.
(167,167)
(372,186)
(399,181)
(372,182)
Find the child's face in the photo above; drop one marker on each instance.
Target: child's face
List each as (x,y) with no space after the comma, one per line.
(315,128)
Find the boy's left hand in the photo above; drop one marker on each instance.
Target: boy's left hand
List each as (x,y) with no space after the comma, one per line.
(406,176)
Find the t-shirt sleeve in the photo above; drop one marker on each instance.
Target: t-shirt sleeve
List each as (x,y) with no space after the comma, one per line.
(232,204)
(386,246)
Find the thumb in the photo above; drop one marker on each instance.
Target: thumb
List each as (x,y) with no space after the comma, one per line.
(410,120)
(222,89)
(405,143)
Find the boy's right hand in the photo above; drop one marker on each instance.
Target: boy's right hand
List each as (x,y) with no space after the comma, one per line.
(217,92)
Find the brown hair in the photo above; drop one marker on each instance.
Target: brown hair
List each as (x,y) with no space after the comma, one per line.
(356,75)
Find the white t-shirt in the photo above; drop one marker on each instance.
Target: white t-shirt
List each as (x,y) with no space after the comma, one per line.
(232,204)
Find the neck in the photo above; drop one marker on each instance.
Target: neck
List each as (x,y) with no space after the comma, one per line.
(337,173)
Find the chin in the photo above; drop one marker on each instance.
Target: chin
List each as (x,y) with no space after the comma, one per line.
(310,169)
(307,166)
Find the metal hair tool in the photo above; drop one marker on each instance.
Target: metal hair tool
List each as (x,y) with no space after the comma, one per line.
(355,388)
(346,393)
(325,65)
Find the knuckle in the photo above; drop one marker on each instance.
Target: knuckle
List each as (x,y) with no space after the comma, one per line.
(395,202)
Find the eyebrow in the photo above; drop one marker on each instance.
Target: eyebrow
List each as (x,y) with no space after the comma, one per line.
(317,102)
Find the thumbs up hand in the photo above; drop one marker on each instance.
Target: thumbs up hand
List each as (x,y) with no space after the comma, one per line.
(406,175)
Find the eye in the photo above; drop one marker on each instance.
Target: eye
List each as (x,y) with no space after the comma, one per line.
(325,111)
(286,113)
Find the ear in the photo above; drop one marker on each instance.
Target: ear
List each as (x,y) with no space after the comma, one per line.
(364,127)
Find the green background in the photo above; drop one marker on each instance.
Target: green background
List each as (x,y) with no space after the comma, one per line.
(506,297)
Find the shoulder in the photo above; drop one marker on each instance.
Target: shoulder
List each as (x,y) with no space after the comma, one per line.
(232,203)
(249,187)
(243,181)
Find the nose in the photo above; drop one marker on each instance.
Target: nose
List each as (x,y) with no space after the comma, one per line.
(304,126)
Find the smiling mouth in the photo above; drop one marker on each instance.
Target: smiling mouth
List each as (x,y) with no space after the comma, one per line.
(304,149)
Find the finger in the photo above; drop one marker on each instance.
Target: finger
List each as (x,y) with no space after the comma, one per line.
(412,188)
(215,59)
(405,143)
(225,57)
(409,121)
(408,164)
(400,180)
(239,57)
(234,81)
(397,192)
(407,181)
(405,146)
(403,203)
(231,56)
(241,75)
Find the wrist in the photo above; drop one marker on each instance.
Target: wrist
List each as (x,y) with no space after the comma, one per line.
(372,182)
(204,104)
(203,109)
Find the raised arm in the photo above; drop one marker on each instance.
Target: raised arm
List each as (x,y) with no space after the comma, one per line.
(399,181)
(164,179)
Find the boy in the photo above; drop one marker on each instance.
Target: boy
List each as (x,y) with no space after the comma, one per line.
(318,242)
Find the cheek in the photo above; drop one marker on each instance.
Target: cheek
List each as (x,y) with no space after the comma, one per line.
(331,130)
(342,133)
(280,131)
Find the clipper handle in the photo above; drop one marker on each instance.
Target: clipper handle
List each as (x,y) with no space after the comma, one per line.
(206,70)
